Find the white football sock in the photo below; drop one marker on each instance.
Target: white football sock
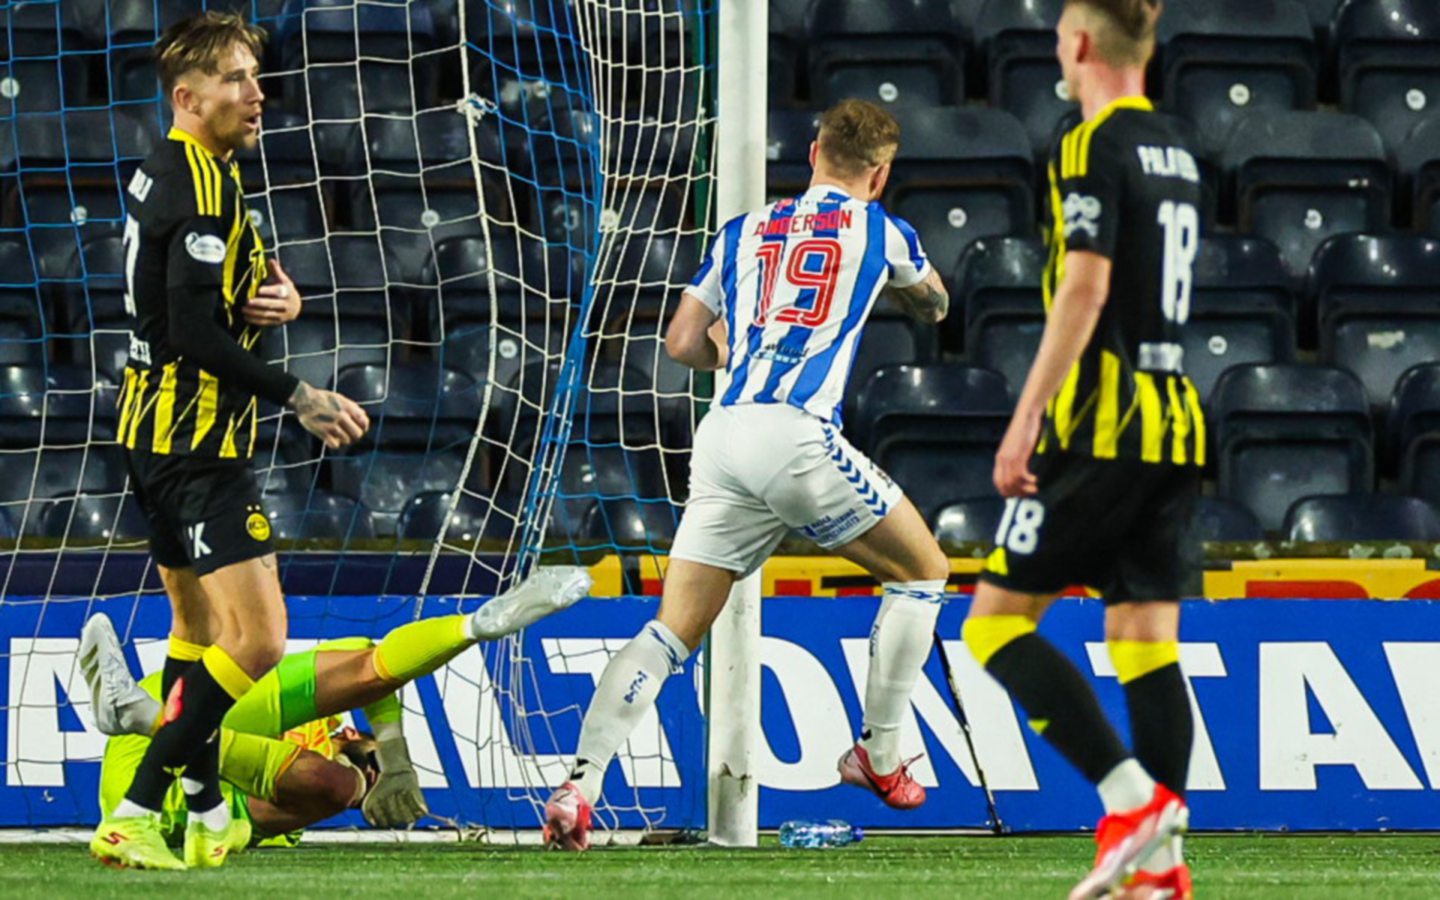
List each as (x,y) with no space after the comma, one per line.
(217,817)
(899,645)
(1126,787)
(627,688)
(129,809)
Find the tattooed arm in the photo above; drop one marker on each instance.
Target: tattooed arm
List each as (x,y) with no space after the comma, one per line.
(927,301)
(333,418)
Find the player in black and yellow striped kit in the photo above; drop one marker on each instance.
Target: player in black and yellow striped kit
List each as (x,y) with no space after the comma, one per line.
(199,289)
(1117,438)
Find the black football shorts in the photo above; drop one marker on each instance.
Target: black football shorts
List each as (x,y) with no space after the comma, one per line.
(1121,527)
(204,513)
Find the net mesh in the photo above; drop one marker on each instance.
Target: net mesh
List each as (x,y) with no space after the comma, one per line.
(489,208)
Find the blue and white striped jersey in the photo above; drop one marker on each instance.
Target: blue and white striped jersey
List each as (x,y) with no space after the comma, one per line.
(795,282)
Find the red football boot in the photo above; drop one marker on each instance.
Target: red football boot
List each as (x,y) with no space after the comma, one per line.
(898,789)
(567,819)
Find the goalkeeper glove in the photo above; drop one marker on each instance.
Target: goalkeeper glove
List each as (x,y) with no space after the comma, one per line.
(396,800)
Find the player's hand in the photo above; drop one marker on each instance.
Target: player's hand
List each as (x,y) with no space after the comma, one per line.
(1012,475)
(276,302)
(333,418)
(396,800)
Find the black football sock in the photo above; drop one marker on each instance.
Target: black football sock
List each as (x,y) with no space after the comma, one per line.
(193,711)
(1060,704)
(1161,726)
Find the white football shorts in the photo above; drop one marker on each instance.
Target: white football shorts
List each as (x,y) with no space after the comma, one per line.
(760,470)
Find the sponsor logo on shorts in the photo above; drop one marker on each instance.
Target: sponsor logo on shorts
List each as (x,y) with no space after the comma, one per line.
(205,248)
(258,526)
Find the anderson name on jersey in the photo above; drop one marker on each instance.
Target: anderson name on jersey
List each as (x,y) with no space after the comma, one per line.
(795,282)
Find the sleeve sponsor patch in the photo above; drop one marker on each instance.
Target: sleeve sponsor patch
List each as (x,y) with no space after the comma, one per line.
(205,248)
(1082,213)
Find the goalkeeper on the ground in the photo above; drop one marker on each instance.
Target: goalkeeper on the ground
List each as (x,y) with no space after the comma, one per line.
(286,762)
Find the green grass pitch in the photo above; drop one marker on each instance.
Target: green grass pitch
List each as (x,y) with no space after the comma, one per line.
(1253,867)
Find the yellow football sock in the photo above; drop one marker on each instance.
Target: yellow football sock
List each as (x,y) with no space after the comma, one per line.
(986,635)
(1136,659)
(226,672)
(421,647)
(184,650)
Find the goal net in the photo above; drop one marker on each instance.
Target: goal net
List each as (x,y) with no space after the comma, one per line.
(489,207)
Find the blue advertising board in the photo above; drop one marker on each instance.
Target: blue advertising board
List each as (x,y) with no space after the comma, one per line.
(1310,715)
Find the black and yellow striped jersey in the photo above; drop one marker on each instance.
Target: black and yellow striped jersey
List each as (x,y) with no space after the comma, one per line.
(193,258)
(1126,186)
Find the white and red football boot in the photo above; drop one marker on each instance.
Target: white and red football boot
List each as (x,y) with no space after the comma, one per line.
(1172,885)
(899,789)
(1124,840)
(567,819)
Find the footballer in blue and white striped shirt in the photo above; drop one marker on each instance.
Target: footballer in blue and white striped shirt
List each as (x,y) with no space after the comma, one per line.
(780,303)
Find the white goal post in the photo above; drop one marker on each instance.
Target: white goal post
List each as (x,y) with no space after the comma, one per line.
(734,655)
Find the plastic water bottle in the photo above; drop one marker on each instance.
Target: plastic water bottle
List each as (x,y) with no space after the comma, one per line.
(819,835)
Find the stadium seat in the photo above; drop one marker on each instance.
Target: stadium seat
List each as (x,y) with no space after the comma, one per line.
(786,44)
(1419,161)
(305,515)
(961,174)
(95,286)
(969,521)
(1289,431)
(467,348)
(788,135)
(1017,40)
(1241,309)
(342,31)
(1388,63)
(1302,177)
(630,526)
(1225,59)
(20,344)
(643,276)
(1376,297)
(414,405)
(427,516)
(284,457)
(934,429)
(22,316)
(92,517)
(128,35)
(532,36)
(45,55)
(999,294)
(609,472)
(315,349)
(1413,432)
(60,472)
(889,339)
(73,167)
(54,405)
(383,482)
(900,54)
(459,270)
(1223,520)
(1365,517)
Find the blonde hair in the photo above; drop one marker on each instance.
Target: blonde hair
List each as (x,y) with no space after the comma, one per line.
(1124,30)
(856,136)
(201,42)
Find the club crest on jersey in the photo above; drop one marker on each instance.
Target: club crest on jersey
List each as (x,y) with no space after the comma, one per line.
(258,527)
(205,248)
(1082,213)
